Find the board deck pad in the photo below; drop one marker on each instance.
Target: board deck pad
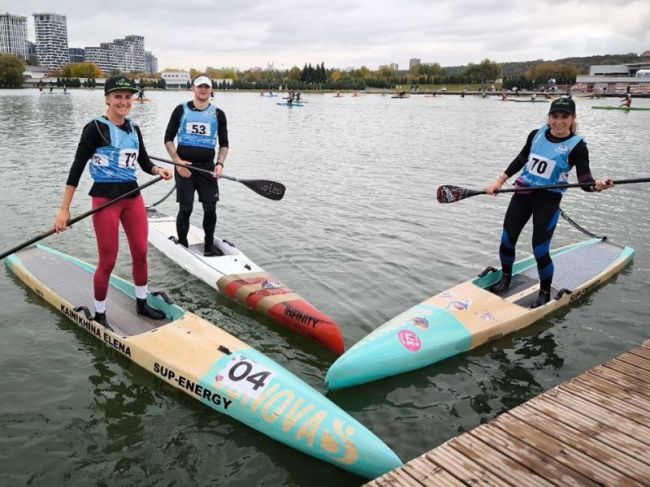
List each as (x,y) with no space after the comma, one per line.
(571,270)
(75,285)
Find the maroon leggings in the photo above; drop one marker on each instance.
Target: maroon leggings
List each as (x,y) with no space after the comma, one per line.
(131,212)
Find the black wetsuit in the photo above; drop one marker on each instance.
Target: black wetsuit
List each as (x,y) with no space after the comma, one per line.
(543,206)
(204,185)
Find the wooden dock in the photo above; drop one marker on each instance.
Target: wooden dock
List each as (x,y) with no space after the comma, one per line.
(592,430)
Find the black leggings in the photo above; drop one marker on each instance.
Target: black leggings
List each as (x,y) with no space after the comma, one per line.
(208,191)
(209,220)
(544,206)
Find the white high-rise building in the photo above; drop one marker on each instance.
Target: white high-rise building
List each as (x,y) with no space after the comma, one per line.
(13,35)
(51,40)
(122,54)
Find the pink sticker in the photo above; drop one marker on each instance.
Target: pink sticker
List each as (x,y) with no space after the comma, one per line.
(410,340)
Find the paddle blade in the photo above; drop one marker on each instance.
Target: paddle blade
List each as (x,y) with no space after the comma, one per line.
(450,194)
(269,189)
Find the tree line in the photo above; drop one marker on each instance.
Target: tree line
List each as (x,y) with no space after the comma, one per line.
(526,75)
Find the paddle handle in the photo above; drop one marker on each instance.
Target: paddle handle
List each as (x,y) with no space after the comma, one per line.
(78,218)
(571,185)
(191,168)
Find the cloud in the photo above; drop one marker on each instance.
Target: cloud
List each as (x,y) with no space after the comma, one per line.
(245,33)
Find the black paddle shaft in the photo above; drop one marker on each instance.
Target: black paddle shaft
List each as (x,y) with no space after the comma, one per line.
(269,189)
(451,194)
(78,218)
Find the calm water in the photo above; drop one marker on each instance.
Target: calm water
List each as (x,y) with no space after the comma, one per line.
(359,233)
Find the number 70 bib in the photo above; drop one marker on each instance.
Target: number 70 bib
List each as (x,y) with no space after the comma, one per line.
(539,166)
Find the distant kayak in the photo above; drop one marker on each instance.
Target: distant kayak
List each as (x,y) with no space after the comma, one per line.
(471,314)
(141,100)
(530,101)
(626,109)
(284,104)
(268,96)
(397,96)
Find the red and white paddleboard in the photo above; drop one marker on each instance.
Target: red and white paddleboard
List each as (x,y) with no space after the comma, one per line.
(240,279)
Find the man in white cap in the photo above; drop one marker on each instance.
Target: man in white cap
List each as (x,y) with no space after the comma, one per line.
(198,126)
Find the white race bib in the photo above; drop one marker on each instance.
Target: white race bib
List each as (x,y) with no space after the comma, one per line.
(539,166)
(99,160)
(198,128)
(128,158)
(246,377)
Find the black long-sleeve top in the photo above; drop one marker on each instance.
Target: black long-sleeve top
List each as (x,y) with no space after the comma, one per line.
(578,158)
(190,153)
(96,134)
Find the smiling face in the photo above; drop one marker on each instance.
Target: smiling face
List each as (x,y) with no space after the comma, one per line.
(561,123)
(119,105)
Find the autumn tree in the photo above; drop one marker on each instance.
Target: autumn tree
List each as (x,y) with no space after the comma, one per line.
(563,73)
(81,70)
(11,71)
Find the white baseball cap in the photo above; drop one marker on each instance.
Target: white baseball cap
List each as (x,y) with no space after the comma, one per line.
(202,80)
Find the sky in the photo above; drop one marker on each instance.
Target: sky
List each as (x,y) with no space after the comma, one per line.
(245,33)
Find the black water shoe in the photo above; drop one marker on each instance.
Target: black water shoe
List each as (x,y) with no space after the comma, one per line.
(101,319)
(211,250)
(503,285)
(145,310)
(542,298)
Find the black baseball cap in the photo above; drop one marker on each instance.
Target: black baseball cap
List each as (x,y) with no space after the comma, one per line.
(563,105)
(119,83)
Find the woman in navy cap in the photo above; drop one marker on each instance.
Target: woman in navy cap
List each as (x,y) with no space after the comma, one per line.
(547,158)
(111,144)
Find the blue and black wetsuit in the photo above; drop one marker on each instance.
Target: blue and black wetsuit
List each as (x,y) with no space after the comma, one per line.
(546,160)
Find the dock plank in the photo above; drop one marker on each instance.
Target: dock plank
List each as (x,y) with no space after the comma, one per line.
(499,464)
(544,465)
(628,369)
(563,453)
(591,430)
(629,468)
(597,411)
(636,361)
(627,383)
(641,352)
(595,429)
(464,468)
(604,386)
(427,473)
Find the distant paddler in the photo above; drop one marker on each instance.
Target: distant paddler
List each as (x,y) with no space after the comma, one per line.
(547,158)
(112,144)
(627,101)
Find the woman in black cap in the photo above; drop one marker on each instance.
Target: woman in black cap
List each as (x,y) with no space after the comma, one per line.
(547,158)
(112,144)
